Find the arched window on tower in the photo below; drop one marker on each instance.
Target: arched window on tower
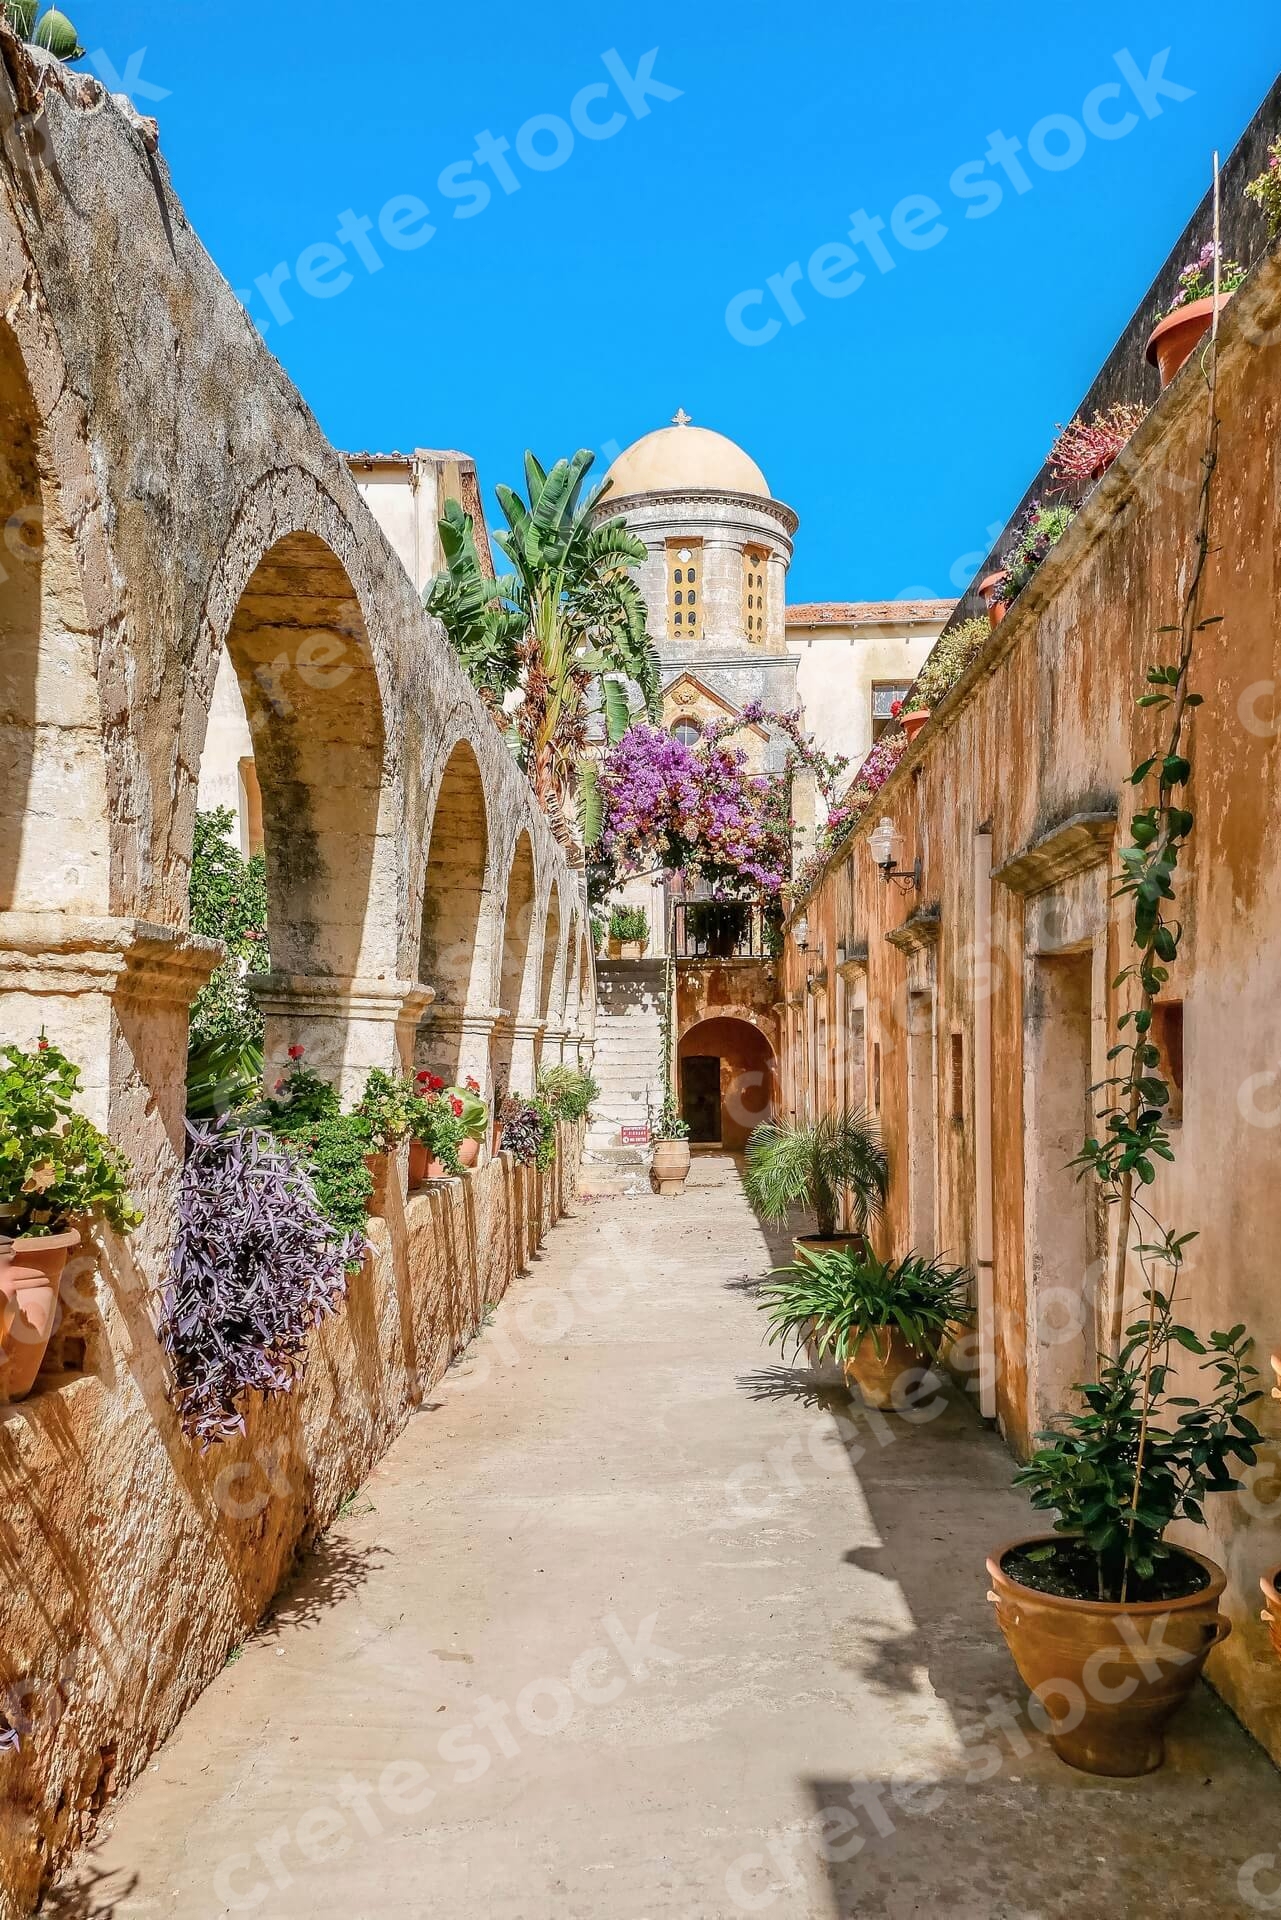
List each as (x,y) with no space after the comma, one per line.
(754,594)
(684,563)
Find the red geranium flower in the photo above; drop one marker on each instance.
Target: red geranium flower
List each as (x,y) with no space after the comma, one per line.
(473,1086)
(435,1083)
(457,1106)
(296,1052)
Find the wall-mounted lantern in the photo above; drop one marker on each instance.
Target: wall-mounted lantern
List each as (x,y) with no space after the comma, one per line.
(801,933)
(886,843)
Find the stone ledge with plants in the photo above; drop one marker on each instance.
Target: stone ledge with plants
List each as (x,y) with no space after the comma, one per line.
(59,1177)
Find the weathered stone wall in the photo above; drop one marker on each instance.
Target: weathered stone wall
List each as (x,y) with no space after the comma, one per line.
(1010,799)
(133,1564)
(169,503)
(729,1008)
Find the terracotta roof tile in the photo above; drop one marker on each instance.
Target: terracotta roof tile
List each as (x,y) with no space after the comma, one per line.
(866,613)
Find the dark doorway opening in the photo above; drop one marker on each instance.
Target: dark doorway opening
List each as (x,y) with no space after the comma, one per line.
(701,1097)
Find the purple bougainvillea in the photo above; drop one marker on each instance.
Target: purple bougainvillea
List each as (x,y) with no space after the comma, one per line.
(692,810)
(256,1266)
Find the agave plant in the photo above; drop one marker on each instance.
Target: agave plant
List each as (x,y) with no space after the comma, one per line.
(789,1166)
(52,31)
(838,1299)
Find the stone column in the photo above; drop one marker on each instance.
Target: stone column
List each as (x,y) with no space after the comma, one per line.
(523,1070)
(346,1026)
(455,1042)
(553,1050)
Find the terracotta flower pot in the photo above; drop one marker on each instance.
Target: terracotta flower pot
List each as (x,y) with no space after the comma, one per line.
(30,1275)
(912,723)
(1271,1615)
(469,1152)
(1109,1675)
(890,1377)
(420,1163)
(996,608)
(1174,340)
(670,1166)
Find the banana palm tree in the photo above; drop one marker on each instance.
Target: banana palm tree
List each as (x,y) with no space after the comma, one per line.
(568,618)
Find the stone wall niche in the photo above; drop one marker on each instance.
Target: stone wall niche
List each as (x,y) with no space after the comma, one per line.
(456,947)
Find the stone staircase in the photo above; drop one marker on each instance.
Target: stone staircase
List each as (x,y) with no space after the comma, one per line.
(629,1055)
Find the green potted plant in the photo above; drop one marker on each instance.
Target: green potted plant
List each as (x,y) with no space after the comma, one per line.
(1186,321)
(1265,190)
(475,1119)
(56,1168)
(628,933)
(789,1166)
(883,1321)
(436,1130)
(669,1167)
(1040,529)
(1133,1460)
(337,1148)
(911,715)
(568,1091)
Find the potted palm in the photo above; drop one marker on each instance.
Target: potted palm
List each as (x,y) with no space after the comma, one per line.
(813,1167)
(882,1321)
(669,1167)
(628,933)
(55,1168)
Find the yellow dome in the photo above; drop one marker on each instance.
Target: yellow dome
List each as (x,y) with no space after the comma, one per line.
(682,458)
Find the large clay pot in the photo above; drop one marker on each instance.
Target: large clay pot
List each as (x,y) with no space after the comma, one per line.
(1271,1615)
(996,608)
(839,1243)
(30,1275)
(890,1376)
(670,1166)
(1109,1693)
(1174,340)
(469,1152)
(912,723)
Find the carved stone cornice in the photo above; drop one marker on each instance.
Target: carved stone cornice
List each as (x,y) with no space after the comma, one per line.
(854,965)
(1082,841)
(340,997)
(60,953)
(919,933)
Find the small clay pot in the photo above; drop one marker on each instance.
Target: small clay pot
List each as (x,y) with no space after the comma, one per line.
(30,1275)
(670,1166)
(1174,340)
(996,607)
(420,1164)
(912,723)
(1108,1690)
(1271,1615)
(886,1369)
(469,1152)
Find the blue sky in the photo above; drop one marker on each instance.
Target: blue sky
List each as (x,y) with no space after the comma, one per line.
(902,417)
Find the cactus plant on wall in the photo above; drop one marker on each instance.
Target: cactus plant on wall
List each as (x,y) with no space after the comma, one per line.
(52,31)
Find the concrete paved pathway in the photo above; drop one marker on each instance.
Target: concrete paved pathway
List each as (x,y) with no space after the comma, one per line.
(628,1621)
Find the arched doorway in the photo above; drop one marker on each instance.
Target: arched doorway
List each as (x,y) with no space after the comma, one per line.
(727,1081)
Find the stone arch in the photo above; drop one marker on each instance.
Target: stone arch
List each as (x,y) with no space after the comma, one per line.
(457,938)
(553,969)
(300,649)
(572,976)
(54,847)
(744,1089)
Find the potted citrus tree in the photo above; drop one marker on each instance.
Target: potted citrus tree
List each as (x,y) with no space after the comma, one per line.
(56,1168)
(882,1321)
(812,1167)
(669,1167)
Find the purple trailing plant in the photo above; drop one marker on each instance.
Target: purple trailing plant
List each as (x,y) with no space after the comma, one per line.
(256,1266)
